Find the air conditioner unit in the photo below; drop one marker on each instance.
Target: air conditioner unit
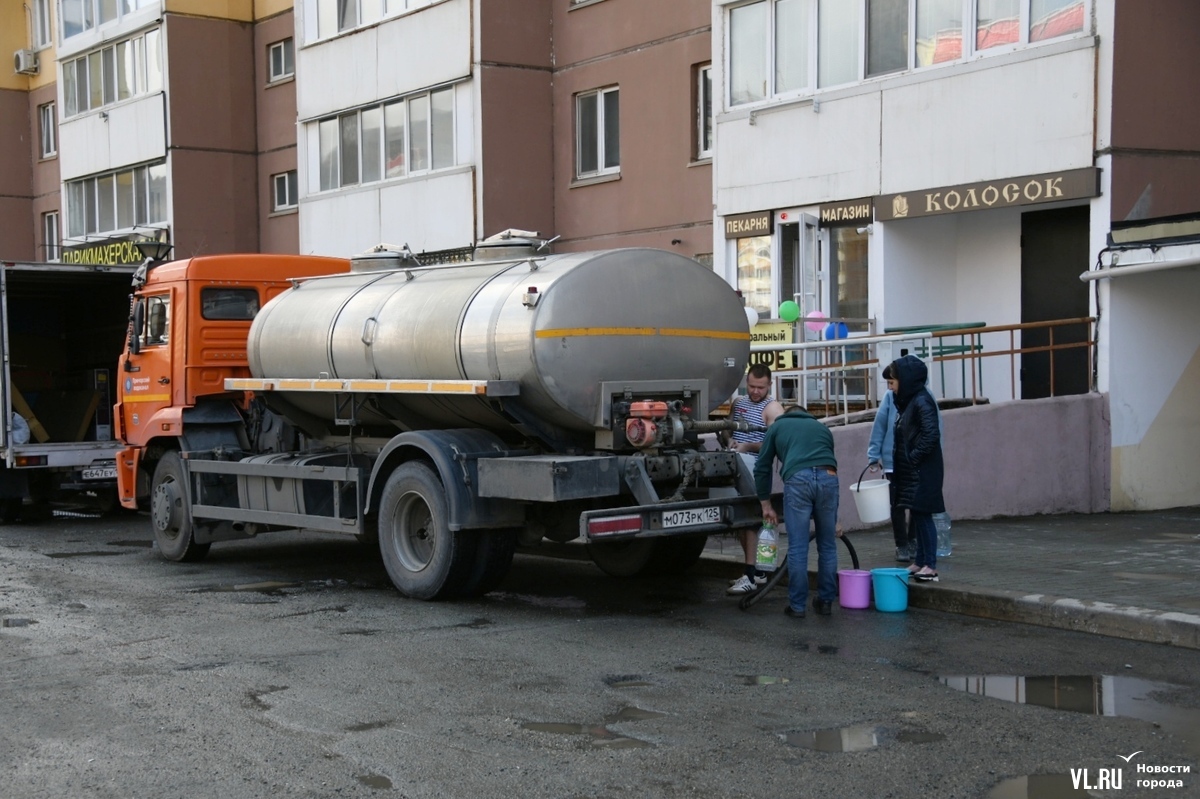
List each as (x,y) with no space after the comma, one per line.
(25,62)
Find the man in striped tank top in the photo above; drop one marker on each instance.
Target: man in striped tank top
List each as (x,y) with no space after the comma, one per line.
(756,408)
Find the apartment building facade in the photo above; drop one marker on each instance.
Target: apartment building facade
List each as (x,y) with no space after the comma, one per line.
(168,119)
(436,124)
(925,162)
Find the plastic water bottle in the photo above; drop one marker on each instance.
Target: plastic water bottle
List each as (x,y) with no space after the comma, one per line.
(941,521)
(767,557)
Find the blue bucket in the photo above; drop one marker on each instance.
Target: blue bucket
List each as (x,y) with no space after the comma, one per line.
(891,589)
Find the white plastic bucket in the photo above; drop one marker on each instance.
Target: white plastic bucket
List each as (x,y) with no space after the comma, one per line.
(871,499)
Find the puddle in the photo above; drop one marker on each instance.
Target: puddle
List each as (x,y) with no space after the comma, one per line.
(827,649)
(556,602)
(18,622)
(1096,695)
(255,698)
(131,543)
(601,735)
(376,781)
(92,554)
(764,679)
(476,624)
(368,725)
(857,738)
(628,681)
(918,737)
(76,606)
(1037,786)
(270,588)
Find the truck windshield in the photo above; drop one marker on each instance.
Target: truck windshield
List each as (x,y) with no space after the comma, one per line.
(223,303)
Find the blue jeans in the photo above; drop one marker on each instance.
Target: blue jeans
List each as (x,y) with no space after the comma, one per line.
(811,494)
(926,534)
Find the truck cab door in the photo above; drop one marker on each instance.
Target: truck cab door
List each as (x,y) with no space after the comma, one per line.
(145,383)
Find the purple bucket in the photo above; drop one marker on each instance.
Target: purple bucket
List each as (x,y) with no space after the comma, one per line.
(854,588)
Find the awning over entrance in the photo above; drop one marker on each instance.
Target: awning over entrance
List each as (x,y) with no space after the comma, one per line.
(1139,261)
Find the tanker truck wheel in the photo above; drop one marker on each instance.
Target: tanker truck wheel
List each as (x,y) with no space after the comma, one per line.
(648,555)
(423,557)
(170,514)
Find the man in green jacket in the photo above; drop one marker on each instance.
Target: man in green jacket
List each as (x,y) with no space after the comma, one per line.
(804,447)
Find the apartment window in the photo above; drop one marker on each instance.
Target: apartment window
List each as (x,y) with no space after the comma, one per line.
(336,16)
(282,59)
(597,133)
(786,47)
(286,194)
(51,236)
(400,137)
(41,24)
(47,134)
(79,16)
(118,72)
(117,200)
(704,112)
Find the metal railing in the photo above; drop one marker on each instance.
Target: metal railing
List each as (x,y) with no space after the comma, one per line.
(841,376)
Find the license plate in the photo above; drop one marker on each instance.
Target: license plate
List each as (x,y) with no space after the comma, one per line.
(100,473)
(690,516)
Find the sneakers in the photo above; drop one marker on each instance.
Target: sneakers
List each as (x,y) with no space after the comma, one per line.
(760,579)
(744,585)
(903,555)
(823,607)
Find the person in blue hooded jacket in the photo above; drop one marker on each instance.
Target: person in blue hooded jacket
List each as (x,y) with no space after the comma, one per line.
(879,456)
(918,470)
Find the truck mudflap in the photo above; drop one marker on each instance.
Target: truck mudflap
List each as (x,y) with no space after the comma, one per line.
(712,515)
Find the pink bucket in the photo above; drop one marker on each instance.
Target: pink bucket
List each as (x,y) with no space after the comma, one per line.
(854,588)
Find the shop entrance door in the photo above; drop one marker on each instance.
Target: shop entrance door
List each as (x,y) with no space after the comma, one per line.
(1054,252)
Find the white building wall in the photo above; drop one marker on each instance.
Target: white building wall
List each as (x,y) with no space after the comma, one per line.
(131,133)
(426,48)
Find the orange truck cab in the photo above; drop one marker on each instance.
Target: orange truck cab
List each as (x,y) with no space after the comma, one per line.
(189,325)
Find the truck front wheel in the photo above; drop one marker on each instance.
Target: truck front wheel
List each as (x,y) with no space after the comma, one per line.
(170,514)
(424,558)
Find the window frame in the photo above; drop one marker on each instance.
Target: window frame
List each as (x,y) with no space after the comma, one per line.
(90,13)
(705,117)
(43,26)
(602,168)
(47,130)
(52,244)
(291,191)
(287,48)
(78,74)
(84,205)
(426,154)
(327,15)
(969,49)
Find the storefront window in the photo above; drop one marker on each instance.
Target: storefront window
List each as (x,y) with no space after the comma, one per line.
(754,273)
(848,262)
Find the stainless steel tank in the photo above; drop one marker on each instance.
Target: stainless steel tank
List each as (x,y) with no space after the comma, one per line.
(559,325)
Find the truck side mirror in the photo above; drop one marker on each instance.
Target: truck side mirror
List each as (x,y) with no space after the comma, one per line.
(157,323)
(135,328)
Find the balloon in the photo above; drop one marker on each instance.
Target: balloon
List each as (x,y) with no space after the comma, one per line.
(789,311)
(751,316)
(815,322)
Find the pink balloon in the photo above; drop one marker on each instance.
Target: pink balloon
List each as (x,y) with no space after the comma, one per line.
(816,320)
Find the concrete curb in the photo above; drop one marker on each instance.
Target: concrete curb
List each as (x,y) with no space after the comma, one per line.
(1046,610)
(1064,613)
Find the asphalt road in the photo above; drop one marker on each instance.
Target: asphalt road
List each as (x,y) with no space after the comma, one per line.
(288,667)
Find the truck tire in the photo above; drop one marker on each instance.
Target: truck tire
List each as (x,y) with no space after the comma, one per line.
(677,554)
(170,514)
(424,558)
(624,558)
(648,555)
(493,558)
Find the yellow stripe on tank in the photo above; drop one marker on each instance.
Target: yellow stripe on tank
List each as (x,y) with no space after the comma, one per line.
(681,332)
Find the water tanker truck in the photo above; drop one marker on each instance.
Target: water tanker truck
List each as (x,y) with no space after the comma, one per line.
(447,411)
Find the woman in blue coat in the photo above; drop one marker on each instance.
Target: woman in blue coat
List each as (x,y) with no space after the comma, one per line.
(918,470)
